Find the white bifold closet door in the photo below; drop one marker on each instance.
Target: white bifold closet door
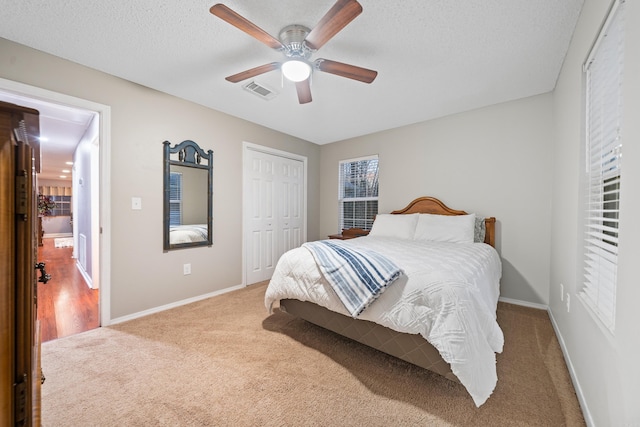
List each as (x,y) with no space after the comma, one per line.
(274,211)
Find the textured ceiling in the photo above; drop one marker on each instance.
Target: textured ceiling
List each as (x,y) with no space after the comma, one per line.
(434,57)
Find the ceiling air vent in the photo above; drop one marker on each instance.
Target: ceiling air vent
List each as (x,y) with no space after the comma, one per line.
(260,90)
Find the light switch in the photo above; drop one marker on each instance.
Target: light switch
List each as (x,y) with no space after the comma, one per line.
(136,203)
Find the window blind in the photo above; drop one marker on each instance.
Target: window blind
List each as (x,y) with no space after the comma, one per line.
(61,196)
(175,198)
(603,70)
(358,192)
(51,190)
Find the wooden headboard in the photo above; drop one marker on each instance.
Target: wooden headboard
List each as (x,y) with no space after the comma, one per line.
(432,205)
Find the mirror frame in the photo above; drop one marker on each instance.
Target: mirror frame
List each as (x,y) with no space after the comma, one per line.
(189,155)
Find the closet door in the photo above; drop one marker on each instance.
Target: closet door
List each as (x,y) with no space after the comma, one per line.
(261,207)
(291,185)
(274,211)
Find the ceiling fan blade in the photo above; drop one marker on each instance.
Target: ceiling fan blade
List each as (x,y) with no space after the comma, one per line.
(304,91)
(343,12)
(253,72)
(345,70)
(228,15)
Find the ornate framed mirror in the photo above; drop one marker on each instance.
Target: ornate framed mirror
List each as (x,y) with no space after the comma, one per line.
(188,196)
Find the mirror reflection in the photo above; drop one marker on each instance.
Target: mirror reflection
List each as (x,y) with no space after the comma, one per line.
(188,192)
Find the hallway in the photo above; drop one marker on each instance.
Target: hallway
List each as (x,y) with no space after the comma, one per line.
(66,305)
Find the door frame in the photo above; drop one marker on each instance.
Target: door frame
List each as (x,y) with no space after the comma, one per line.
(246,148)
(104,112)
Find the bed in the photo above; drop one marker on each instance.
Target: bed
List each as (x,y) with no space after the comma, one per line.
(440,312)
(187,233)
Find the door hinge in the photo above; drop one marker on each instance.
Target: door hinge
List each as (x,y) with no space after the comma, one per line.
(20,399)
(22,194)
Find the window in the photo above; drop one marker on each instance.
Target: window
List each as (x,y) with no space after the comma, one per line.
(358,192)
(175,198)
(54,200)
(63,205)
(603,149)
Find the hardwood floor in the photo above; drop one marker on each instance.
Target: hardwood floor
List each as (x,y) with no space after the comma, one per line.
(66,305)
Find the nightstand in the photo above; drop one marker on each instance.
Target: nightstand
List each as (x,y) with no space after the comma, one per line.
(349,233)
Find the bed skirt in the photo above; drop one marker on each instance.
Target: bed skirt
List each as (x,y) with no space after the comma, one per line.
(411,348)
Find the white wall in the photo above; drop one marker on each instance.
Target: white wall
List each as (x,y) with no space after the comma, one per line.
(56,226)
(517,161)
(494,161)
(83,195)
(606,365)
(142,275)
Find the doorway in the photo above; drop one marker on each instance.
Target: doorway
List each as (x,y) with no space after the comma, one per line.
(274,208)
(88,260)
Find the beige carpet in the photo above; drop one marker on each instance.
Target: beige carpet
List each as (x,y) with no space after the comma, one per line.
(226,362)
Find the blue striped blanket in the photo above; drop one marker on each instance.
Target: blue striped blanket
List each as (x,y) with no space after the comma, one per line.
(358,276)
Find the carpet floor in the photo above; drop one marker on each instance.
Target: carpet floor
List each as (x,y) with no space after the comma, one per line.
(225,361)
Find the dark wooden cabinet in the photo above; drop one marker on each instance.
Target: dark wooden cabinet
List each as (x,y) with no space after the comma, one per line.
(19,342)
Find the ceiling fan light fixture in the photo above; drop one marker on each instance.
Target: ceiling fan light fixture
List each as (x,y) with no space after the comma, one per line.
(296,70)
(298,44)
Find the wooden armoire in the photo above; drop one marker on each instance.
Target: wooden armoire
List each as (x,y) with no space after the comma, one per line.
(20,374)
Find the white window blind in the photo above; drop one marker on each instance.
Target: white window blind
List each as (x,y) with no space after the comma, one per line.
(603,70)
(175,198)
(61,196)
(358,192)
(50,190)
(63,206)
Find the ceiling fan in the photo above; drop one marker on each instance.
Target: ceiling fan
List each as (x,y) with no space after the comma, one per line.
(299,43)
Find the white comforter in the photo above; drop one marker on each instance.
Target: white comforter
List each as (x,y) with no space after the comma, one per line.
(448,294)
(187,233)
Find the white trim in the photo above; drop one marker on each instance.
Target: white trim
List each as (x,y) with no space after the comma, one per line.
(84,275)
(341,183)
(524,303)
(359,159)
(105,177)
(601,33)
(55,235)
(572,373)
(274,152)
(173,305)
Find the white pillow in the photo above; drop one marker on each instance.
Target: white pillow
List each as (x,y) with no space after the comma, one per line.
(394,225)
(446,228)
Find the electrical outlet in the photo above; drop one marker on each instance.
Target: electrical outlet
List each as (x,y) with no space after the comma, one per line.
(561,292)
(186,269)
(568,302)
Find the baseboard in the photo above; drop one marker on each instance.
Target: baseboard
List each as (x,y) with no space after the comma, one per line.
(172,305)
(524,303)
(572,373)
(55,235)
(87,279)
